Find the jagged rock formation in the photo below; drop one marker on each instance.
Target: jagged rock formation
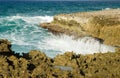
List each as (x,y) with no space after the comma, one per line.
(104,25)
(36,64)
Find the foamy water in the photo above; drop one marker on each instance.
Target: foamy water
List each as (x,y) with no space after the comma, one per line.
(28,19)
(83,45)
(26,34)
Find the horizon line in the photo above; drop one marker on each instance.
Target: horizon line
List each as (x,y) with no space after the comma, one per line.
(59,0)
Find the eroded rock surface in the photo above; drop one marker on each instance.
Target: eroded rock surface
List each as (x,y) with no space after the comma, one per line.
(5,46)
(91,66)
(103,24)
(36,64)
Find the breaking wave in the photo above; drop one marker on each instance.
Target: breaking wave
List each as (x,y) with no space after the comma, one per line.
(83,45)
(26,34)
(23,31)
(27,19)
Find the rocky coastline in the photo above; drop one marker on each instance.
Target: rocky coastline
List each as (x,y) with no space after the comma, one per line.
(36,64)
(103,25)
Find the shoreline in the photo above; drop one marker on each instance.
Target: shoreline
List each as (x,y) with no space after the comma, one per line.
(105,25)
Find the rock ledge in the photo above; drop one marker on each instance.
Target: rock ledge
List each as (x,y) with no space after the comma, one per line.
(103,25)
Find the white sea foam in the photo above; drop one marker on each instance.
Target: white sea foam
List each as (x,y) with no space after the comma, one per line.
(24,32)
(107,8)
(32,20)
(84,45)
(24,28)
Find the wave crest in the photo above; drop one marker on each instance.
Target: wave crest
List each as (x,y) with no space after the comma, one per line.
(30,20)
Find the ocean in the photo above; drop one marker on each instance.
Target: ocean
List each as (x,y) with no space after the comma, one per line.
(20,24)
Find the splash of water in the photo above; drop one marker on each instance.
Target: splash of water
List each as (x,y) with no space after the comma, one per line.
(26,35)
(83,45)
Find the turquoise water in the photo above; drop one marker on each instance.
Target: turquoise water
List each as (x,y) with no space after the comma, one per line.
(19,23)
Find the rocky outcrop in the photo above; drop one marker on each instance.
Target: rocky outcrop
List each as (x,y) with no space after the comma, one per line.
(91,66)
(5,46)
(104,25)
(36,64)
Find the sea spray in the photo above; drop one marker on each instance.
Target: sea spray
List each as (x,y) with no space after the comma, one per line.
(25,34)
(83,45)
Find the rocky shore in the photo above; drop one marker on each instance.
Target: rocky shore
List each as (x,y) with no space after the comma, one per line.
(36,64)
(103,25)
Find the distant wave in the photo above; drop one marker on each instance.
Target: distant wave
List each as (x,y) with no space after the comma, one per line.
(109,8)
(27,19)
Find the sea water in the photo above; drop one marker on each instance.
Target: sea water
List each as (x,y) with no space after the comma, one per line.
(20,24)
